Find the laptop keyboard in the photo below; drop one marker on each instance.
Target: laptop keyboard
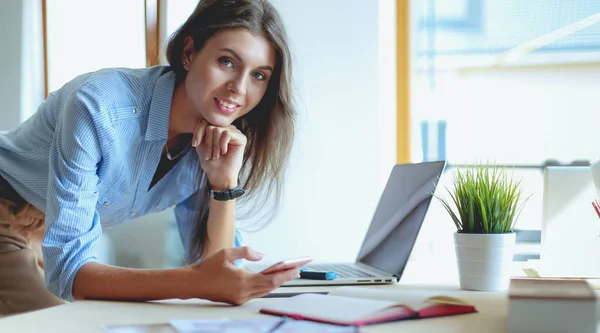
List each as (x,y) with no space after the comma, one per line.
(342,270)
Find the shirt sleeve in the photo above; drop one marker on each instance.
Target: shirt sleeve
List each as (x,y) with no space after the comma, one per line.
(185,213)
(72,222)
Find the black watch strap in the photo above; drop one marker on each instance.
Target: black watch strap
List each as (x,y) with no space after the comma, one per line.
(226,195)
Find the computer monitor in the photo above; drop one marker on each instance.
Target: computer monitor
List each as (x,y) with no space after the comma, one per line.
(570,225)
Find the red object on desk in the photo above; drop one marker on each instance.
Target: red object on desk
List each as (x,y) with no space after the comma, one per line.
(440,310)
(596,207)
(351,310)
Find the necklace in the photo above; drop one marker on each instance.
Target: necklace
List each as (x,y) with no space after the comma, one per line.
(170,158)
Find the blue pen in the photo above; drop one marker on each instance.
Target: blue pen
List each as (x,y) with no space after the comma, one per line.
(311,275)
(279,324)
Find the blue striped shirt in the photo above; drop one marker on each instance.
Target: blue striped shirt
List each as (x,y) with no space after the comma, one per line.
(87,157)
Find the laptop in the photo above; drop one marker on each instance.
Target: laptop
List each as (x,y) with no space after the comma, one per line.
(570,225)
(392,232)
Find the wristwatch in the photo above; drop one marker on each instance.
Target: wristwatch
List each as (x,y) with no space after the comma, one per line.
(226,195)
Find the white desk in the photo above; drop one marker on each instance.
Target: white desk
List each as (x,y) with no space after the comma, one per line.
(89,316)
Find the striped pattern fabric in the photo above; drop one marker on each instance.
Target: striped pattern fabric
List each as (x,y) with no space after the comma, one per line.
(87,157)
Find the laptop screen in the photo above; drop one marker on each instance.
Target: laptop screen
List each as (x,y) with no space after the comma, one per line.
(399,216)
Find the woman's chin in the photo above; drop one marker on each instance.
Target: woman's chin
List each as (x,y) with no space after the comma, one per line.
(219,120)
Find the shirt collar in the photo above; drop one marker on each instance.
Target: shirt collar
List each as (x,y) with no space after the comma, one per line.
(160,107)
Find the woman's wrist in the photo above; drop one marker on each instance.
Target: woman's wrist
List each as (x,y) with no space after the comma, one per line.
(189,286)
(98,281)
(223,185)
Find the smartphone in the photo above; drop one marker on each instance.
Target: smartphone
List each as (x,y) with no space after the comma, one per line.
(287,264)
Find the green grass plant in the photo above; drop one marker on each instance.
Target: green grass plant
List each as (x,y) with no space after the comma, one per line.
(486,200)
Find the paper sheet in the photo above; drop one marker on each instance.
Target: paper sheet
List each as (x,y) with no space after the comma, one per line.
(255,326)
(415,299)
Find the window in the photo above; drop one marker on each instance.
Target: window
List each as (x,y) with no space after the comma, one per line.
(539,109)
(178,12)
(87,35)
(475,32)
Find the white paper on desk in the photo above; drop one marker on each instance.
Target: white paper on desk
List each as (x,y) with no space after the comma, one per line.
(135,328)
(189,326)
(256,325)
(413,298)
(329,308)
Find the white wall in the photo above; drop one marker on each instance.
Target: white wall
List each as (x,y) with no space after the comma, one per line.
(10,39)
(21,65)
(345,145)
(550,112)
(32,57)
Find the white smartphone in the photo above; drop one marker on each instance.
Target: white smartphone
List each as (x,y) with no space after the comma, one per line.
(286,264)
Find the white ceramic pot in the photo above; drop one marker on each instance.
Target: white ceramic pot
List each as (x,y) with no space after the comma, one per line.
(484,260)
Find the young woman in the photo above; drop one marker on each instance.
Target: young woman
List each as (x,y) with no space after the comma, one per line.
(215,124)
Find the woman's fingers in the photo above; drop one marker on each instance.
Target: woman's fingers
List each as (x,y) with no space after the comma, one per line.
(237,137)
(214,141)
(208,142)
(198,133)
(251,285)
(216,149)
(259,294)
(268,282)
(224,142)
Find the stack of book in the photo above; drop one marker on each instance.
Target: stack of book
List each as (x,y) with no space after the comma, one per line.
(551,305)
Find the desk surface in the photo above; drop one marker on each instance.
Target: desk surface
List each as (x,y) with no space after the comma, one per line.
(89,316)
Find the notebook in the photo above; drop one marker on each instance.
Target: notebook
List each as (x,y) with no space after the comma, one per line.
(392,233)
(357,306)
(549,306)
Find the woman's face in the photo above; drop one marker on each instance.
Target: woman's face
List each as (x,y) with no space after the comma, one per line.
(229,76)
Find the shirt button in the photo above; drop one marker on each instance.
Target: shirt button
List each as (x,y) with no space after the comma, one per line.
(132,214)
(106,204)
(134,110)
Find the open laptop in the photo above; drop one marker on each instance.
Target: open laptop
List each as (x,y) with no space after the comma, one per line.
(393,230)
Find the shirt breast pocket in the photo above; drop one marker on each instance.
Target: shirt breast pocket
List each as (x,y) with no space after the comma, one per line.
(123,113)
(114,201)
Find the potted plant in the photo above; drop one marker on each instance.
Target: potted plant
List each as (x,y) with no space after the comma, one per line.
(487,204)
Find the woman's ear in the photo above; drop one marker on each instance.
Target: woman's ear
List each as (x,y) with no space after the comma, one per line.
(188,51)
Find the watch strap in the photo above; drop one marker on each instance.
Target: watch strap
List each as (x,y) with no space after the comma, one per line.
(226,195)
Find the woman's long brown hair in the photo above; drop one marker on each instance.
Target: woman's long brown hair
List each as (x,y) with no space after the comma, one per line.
(269,127)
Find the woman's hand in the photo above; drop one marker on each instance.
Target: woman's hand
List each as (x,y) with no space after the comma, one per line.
(218,279)
(221,152)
